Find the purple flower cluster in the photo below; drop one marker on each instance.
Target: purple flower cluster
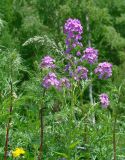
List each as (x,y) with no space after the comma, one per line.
(80,73)
(73,30)
(91,55)
(104,70)
(47,62)
(50,80)
(104,100)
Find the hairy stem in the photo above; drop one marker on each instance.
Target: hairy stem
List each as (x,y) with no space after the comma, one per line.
(40,156)
(8,124)
(86,140)
(114,139)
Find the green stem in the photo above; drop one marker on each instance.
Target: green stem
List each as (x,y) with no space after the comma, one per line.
(73,104)
(41,113)
(114,139)
(40,156)
(9,121)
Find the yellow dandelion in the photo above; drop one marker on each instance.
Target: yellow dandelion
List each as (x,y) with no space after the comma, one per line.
(17,152)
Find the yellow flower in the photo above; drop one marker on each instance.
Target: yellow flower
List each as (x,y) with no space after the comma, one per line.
(17,152)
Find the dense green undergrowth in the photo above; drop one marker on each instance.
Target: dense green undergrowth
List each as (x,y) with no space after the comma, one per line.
(30,30)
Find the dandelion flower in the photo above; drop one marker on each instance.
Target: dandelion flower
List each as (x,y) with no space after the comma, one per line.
(17,152)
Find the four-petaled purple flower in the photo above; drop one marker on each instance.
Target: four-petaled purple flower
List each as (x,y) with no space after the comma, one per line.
(80,73)
(91,55)
(47,62)
(104,100)
(50,80)
(104,70)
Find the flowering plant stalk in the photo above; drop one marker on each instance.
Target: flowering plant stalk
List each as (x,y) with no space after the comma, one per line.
(80,73)
(12,65)
(114,137)
(9,121)
(75,75)
(41,114)
(40,156)
(10,112)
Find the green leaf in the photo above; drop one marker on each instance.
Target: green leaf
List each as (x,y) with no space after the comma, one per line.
(62,154)
(73,145)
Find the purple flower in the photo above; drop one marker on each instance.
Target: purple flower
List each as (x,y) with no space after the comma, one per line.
(68,50)
(78,53)
(67,67)
(67,41)
(80,73)
(64,82)
(47,62)
(80,44)
(104,100)
(50,80)
(76,43)
(73,28)
(91,55)
(104,70)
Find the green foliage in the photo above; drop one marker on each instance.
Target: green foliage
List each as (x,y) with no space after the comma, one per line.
(30,29)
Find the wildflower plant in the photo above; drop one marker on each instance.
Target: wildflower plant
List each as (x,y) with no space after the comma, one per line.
(68,102)
(75,69)
(66,86)
(11,66)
